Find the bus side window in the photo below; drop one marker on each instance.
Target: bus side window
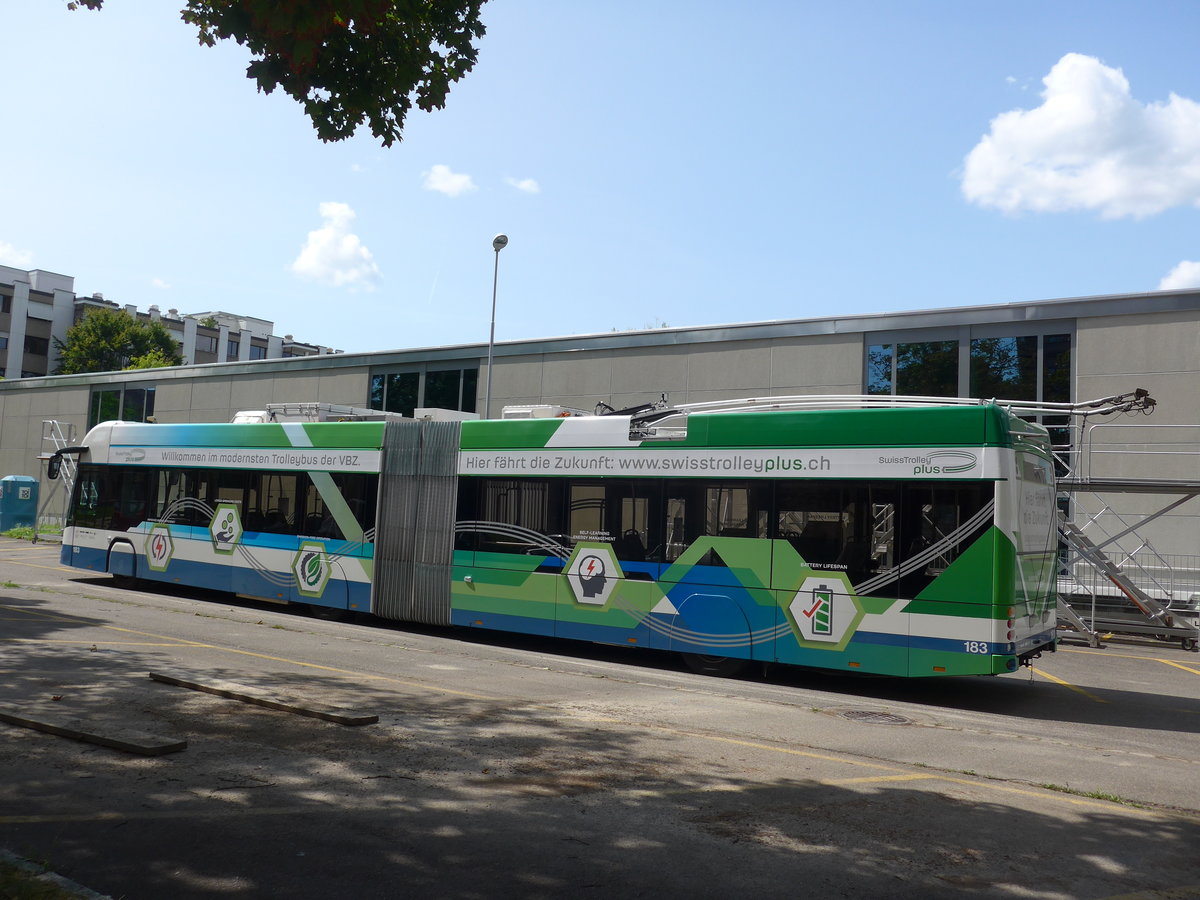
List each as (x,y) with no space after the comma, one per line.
(934,529)
(465,536)
(624,513)
(174,494)
(95,489)
(677,540)
(281,503)
(133,507)
(519,515)
(696,509)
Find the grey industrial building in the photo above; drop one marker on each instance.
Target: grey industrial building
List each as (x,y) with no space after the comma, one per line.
(1052,351)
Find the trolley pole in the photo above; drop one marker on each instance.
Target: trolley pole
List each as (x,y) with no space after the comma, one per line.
(499,242)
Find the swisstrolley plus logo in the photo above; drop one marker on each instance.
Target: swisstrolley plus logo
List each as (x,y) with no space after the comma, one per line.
(937,462)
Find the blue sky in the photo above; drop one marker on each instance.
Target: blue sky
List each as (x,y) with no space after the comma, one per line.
(652,162)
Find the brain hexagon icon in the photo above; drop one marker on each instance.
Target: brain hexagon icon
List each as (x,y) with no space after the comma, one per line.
(592,574)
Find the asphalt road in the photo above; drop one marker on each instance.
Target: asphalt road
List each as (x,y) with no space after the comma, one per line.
(506,766)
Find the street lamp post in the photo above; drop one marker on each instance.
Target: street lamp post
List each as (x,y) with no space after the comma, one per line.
(499,242)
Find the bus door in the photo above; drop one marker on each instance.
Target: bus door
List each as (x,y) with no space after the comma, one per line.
(946,570)
(834,574)
(715,596)
(614,530)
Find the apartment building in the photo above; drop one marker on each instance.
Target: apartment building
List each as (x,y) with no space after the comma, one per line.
(38,307)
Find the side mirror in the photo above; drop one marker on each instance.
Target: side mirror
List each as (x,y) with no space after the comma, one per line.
(53,466)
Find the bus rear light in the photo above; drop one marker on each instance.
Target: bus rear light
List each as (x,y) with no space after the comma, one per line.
(1011,623)
(1010,634)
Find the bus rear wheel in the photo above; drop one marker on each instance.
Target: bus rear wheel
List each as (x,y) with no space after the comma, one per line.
(717,666)
(330,613)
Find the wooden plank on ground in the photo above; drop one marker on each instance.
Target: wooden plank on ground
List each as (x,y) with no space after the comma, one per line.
(259,697)
(104,734)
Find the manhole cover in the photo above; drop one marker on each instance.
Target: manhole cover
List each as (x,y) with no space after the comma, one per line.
(871,717)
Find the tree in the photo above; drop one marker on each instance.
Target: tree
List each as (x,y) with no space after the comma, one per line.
(108,340)
(347,61)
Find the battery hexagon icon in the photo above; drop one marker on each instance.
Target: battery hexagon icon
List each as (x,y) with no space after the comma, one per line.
(823,612)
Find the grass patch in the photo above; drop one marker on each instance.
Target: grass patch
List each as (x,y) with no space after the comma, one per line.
(10,584)
(25,532)
(23,882)
(1094,795)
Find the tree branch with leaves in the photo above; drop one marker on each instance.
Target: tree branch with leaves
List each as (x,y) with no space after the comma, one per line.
(109,340)
(347,61)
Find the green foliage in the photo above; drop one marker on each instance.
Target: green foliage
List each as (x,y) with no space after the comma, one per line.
(208,322)
(21,880)
(108,340)
(347,61)
(25,533)
(154,358)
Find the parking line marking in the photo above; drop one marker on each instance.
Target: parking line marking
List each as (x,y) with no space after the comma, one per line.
(1068,684)
(869,779)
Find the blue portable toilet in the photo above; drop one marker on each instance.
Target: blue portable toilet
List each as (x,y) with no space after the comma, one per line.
(18,501)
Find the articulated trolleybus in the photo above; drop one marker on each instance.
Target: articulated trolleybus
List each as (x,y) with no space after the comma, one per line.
(897,536)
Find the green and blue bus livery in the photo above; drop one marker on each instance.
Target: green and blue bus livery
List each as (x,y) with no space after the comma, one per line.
(904,541)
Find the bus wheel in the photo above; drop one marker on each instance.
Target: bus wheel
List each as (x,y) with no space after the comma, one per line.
(329,613)
(719,666)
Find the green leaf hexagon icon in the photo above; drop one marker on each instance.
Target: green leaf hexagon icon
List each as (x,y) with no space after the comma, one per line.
(311,568)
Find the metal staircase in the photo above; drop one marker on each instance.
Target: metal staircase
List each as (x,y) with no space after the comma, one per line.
(1103,588)
(55,437)
(1138,605)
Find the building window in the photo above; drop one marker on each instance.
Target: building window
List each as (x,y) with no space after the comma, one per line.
(1004,367)
(129,404)
(918,368)
(5,303)
(206,343)
(257,352)
(3,341)
(397,392)
(403,392)
(1056,368)
(37,346)
(1032,367)
(231,349)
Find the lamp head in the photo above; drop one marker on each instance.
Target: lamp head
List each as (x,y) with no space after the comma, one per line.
(499,242)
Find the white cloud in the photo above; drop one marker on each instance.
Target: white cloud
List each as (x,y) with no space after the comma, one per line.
(527,185)
(11,256)
(160,284)
(1183,276)
(1089,146)
(452,184)
(334,255)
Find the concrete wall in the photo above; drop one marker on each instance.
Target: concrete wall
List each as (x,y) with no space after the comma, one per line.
(686,373)
(1158,351)
(21,415)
